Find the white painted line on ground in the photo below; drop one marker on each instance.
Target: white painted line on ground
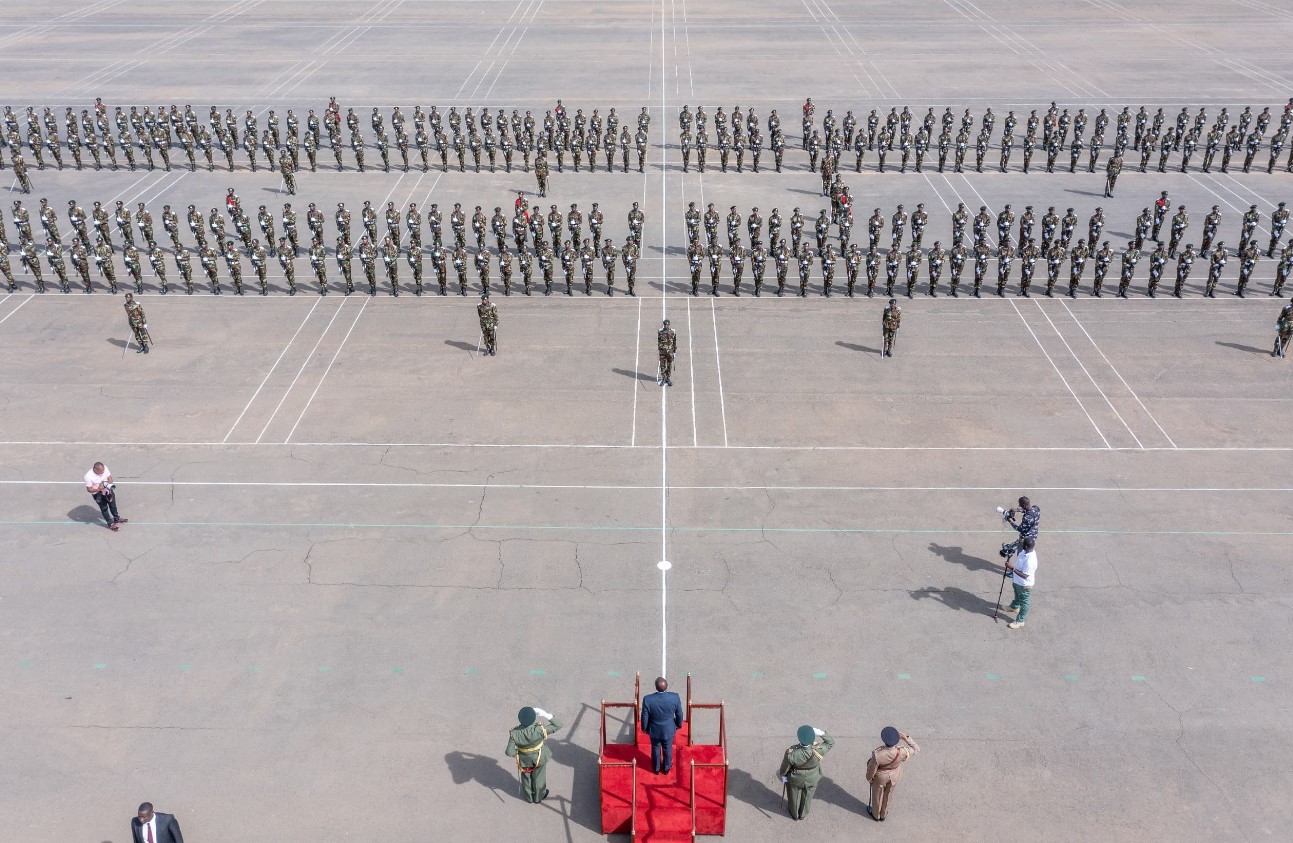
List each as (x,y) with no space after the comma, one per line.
(699,488)
(304,363)
(1238,449)
(1061,374)
(329,369)
(664,564)
(1119,374)
(691,366)
(718,364)
(1082,365)
(637,356)
(272,368)
(18,308)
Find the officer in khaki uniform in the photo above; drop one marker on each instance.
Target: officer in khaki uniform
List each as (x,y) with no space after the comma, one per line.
(884,769)
(526,743)
(801,769)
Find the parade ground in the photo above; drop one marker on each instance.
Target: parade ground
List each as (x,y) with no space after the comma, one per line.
(356,545)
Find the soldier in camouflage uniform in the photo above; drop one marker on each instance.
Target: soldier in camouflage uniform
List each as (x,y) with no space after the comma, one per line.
(890,322)
(488,314)
(667,344)
(1283,331)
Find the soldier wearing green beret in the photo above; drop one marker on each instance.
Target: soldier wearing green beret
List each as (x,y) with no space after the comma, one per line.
(801,769)
(526,742)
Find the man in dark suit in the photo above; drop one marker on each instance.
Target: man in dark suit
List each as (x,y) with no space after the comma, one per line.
(661,718)
(150,827)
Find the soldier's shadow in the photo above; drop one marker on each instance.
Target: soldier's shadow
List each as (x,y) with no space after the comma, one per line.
(829,791)
(465,346)
(862,348)
(1241,347)
(119,343)
(638,375)
(467,766)
(754,792)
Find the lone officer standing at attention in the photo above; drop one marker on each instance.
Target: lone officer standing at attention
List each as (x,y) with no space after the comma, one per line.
(661,719)
(890,321)
(138,323)
(801,769)
(526,742)
(1283,332)
(884,769)
(1111,173)
(488,314)
(667,341)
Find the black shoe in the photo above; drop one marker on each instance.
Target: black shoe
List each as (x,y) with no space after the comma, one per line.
(145,349)
(139,350)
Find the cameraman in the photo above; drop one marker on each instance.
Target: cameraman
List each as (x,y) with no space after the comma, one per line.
(1027,526)
(99,483)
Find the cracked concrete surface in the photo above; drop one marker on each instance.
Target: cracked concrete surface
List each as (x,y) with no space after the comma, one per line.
(302,652)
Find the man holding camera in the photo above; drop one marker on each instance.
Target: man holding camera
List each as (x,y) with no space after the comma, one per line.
(1027,526)
(99,483)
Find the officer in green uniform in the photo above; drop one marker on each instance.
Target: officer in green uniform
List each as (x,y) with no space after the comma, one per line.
(1283,331)
(488,314)
(890,321)
(526,742)
(667,341)
(801,769)
(138,324)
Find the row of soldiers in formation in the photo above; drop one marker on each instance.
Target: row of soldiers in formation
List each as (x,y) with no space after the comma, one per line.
(166,129)
(1187,135)
(153,137)
(1053,246)
(529,229)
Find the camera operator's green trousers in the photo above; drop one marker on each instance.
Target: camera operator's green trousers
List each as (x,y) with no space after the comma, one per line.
(1023,594)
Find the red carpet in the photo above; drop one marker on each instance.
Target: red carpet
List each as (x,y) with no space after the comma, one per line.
(664,801)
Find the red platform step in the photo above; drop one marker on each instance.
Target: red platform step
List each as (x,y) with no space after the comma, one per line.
(691,799)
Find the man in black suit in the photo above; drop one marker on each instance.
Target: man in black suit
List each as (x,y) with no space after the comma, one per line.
(150,827)
(661,718)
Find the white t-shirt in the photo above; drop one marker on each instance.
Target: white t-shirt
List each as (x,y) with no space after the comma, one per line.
(1025,568)
(92,480)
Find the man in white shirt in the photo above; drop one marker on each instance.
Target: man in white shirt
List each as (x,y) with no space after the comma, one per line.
(1023,573)
(98,482)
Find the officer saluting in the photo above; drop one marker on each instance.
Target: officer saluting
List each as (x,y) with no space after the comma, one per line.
(884,769)
(667,342)
(801,769)
(526,743)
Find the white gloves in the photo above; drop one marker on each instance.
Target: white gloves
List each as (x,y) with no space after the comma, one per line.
(545,715)
(785,779)
(818,732)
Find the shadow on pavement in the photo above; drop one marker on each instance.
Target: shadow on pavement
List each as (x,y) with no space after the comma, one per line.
(960,557)
(829,791)
(1240,347)
(626,373)
(861,348)
(956,598)
(86,514)
(754,792)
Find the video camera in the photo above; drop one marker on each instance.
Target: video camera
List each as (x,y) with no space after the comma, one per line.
(1008,549)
